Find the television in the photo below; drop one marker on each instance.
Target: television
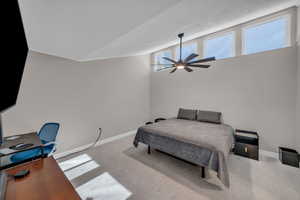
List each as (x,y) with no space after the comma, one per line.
(14,53)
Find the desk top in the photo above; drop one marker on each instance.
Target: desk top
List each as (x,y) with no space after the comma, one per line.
(46,181)
(32,138)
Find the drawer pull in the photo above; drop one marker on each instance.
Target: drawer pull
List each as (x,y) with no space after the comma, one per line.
(246,149)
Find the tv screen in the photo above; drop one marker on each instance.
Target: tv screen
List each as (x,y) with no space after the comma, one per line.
(14,53)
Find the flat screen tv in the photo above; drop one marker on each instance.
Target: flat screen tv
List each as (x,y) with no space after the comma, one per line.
(14,53)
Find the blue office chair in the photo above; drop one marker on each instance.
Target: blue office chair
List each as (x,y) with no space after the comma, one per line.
(47,134)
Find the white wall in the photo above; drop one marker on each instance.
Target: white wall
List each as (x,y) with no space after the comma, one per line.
(254,92)
(298,84)
(112,94)
(298,104)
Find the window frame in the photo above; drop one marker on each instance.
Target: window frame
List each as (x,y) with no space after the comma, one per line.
(220,34)
(160,52)
(239,35)
(288,42)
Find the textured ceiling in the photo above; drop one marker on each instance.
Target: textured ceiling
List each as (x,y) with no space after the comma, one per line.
(95,29)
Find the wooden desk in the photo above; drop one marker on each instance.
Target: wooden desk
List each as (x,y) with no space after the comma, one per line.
(6,152)
(46,181)
(32,138)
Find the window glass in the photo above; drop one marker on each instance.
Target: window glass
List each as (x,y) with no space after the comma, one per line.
(187,50)
(219,47)
(158,59)
(266,36)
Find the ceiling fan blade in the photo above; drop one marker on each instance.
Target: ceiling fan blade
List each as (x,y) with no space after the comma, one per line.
(164,68)
(173,70)
(203,60)
(190,57)
(188,69)
(200,66)
(169,59)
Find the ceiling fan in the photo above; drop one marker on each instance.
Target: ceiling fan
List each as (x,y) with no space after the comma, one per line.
(187,63)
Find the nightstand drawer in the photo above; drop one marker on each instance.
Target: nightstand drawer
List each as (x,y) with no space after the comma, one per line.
(246,150)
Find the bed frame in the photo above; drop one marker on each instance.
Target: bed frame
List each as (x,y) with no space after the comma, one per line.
(202,168)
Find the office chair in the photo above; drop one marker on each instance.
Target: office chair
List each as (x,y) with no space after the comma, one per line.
(47,134)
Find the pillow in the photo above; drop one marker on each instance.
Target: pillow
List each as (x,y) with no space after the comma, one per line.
(209,116)
(187,114)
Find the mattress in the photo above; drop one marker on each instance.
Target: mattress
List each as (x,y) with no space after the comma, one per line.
(205,144)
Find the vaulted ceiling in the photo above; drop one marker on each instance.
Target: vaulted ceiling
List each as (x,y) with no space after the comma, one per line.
(96,29)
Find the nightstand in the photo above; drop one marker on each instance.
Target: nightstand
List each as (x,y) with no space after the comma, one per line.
(289,157)
(246,144)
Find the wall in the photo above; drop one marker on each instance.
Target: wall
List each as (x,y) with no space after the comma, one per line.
(254,92)
(112,94)
(298,104)
(298,85)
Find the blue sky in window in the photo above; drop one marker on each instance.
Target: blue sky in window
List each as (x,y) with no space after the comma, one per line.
(158,59)
(268,36)
(219,47)
(186,51)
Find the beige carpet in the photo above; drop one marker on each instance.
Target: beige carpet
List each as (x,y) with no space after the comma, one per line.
(160,177)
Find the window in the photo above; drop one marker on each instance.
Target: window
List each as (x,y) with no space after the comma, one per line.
(220,46)
(158,59)
(187,49)
(266,36)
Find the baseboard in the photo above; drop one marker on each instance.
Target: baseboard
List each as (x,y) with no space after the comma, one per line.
(268,153)
(117,137)
(65,153)
(123,135)
(101,142)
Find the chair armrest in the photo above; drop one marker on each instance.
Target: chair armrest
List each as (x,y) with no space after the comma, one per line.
(50,143)
(54,147)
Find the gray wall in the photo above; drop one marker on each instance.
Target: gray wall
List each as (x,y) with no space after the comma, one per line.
(298,104)
(298,84)
(254,92)
(112,94)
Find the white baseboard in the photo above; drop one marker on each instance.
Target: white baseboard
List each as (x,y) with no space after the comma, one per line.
(268,153)
(117,137)
(65,153)
(123,135)
(101,142)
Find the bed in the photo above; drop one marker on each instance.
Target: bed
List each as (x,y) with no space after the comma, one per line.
(195,136)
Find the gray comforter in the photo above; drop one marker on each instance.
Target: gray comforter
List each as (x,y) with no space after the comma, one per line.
(205,144)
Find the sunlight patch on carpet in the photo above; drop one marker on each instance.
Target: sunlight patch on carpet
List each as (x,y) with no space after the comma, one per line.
(73,162)
(103,187)
(80,170)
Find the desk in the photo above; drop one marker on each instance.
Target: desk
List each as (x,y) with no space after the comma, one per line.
(32,138)
(46,181)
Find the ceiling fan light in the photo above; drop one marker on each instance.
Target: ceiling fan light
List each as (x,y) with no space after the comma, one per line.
(180,67)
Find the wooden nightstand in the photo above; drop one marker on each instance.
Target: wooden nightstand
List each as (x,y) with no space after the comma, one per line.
(246,144)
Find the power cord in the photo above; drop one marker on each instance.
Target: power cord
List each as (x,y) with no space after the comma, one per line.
(90,147)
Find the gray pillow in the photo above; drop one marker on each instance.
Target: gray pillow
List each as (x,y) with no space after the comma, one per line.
(187,114)
(209,116)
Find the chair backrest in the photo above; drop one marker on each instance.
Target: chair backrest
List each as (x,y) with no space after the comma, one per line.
(49,132)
